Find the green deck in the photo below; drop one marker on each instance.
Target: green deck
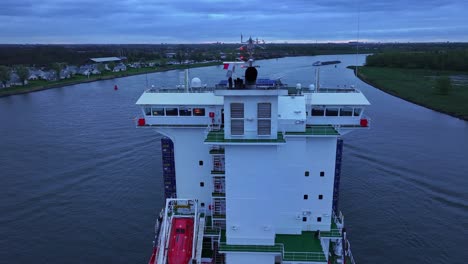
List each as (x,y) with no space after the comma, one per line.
(217,172)
(303,247)
(218,137)
(217,194)
(316,130)
(216,151)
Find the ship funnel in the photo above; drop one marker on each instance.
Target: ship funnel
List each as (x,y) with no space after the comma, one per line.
(251,77)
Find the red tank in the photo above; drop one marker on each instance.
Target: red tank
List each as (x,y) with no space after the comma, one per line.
(181,239)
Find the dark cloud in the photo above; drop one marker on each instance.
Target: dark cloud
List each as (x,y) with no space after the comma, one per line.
(156,21)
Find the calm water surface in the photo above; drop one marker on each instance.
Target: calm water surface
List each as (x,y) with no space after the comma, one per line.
(80,184)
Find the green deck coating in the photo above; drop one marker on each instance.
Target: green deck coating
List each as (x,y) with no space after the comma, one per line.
(306,242)
(216,151)
(303,247)
(217,172)
(215,194)
(316,130)
(218,136)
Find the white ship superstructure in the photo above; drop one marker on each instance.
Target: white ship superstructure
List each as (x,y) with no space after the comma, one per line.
(262,163)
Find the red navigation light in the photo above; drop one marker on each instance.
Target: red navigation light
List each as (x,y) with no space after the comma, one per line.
(241,57)
(141,122)
(364,122)
(212,114)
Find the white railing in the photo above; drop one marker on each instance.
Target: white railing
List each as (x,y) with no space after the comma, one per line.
(276,248)
(349,254)
(181,90)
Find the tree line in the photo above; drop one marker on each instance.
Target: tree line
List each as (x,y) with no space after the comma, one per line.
(456,60)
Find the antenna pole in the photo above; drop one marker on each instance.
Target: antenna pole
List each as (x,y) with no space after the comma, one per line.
(357,43)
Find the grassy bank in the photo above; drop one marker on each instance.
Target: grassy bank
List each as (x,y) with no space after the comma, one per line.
(39,85)
(418,86)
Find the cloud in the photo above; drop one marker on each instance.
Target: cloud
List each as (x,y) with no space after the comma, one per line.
(156,21)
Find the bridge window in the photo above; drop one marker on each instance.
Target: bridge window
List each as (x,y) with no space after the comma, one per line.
(331,112)
(158,111)
(172,112)
(346,111)
(148,111)
(317,111)
(357,111)
(184,111)
(199,111)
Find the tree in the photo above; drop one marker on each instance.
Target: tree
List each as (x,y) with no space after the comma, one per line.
(179,57)
(4,74)
(57,67)
(111,65)
(443,85)
(23,73)
(101,67)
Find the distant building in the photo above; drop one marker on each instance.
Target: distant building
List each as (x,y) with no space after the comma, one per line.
(170,55)
(106,59)
(120,67)
(15,80)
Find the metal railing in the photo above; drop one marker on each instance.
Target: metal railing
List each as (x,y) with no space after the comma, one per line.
(334,232)
(276,248)
(181,90)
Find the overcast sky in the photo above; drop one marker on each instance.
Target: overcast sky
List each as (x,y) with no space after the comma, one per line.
(184,21)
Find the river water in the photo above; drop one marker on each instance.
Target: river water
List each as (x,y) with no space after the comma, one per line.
(80,184)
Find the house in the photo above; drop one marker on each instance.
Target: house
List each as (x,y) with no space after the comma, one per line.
(14,80)
(120,67)
(49,75)
(135,65)
(33,76)
(170,55)
(65,74)
(85,70)
(72,69)
(95,71)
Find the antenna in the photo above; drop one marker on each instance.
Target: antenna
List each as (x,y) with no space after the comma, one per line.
(146,75)
(357,42)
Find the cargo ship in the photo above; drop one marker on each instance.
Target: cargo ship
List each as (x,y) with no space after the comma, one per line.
(251,169)
(323,63)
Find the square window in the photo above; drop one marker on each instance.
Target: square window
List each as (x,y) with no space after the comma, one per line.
(202,204)
(319,219)
(306,196)
(306,173)
(202,184)
(322,173)
(304,219)
(200,162)
(320,196)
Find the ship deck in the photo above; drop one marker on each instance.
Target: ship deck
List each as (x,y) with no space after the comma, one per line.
(316,130)
(218,137)
(304,247)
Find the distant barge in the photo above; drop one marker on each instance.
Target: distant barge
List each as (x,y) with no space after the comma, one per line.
(322,63)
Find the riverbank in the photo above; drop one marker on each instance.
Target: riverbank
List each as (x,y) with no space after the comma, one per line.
(40,85)
(417,86)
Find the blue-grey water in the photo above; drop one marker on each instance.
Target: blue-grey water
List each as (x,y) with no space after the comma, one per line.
(80,184)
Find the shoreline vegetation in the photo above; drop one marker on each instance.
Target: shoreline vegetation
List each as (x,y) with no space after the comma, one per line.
(40,85)
(419,86)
